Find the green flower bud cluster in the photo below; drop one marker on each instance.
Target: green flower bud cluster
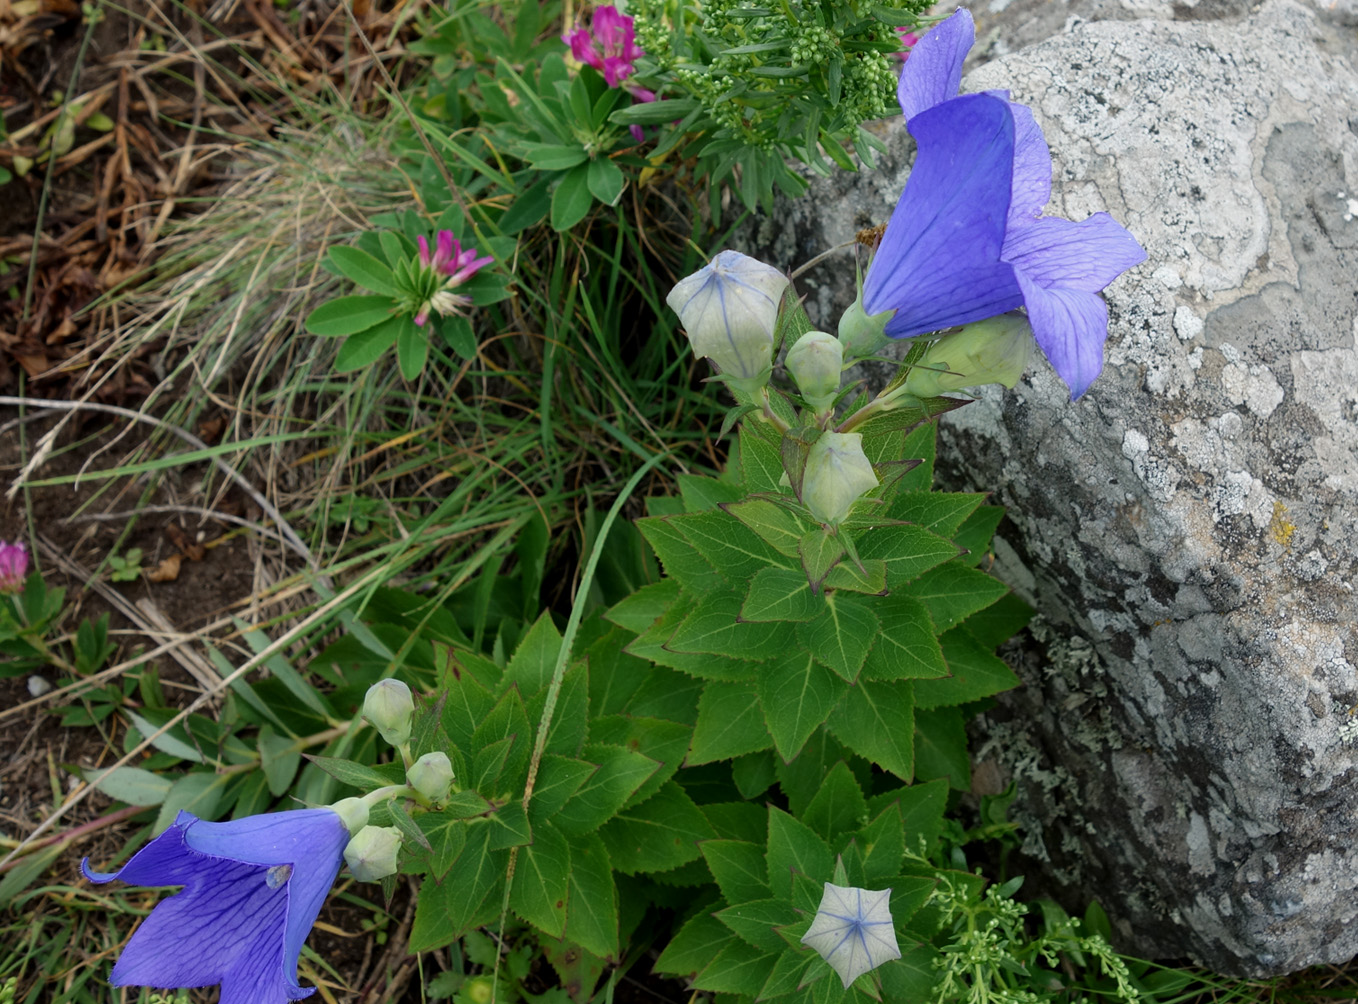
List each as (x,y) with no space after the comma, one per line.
(813,45)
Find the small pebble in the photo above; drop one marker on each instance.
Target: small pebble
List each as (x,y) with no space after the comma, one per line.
(37,686)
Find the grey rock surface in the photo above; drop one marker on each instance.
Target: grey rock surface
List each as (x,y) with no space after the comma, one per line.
(1186,742)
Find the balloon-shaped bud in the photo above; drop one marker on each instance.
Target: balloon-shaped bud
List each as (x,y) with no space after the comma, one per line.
(837,473)
(353,812)
(729,309)
(863,334)
(432,776)
(371,854)
(853,930)
(388,707)
(815,362)
(991,351)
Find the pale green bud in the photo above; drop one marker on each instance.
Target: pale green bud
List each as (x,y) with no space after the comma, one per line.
(861,334)
(991,351)
(432,776)
(837,473)
(353,813)
(815,362)
(388,707)
(371,854)
(729,310)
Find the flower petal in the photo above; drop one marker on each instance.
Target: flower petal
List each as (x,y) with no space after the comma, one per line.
(1087,255)
(933,72)
(1031,188)
(1070,327)
(310,840)
(939,262)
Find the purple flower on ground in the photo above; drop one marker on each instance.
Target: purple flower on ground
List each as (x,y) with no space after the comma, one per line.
(968,240)
(609,45)
(612,33)
(451,267)
(252,889)
(13,566)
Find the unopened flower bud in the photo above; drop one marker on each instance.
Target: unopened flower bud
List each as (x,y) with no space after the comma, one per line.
(729,310)
(353,813)
(853,930)
(371,854)
(860,333)
(13,566)
(815,362)
(837,473)
(388,707)
(991,351)
(432,776)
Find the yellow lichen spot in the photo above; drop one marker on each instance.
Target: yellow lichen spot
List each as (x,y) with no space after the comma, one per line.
(1280,528)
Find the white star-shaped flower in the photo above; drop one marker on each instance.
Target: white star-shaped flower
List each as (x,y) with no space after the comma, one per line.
(853,930)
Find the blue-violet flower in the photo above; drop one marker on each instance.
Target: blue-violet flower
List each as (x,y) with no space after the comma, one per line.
(853,931)
(967,239)
(252,889)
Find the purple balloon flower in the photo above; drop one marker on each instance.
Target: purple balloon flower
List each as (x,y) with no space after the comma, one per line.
(252,889)
(968,240)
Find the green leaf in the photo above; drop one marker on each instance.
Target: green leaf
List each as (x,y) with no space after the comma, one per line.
(838,806)
(457,334)
(740,868)
(659,834)
(280,758)
(655,112)
(349,315)
(558,779)
(167,741)
(730,722)
(654,645)
(998,622)
(913,976)
(548,157)
(755,921)
(412,348)
(842,634)
(712,629)
(938,512)
(572,198)
(410,830)
(908,550)
(509,827)
(129,784)
(727,544)
(871,578)
(446,839)
(922,807)
(702,494)
(975,673)
(780,594)
(953,592)
(665,742)
(366,347)
(820,550)
(534,660)
(447,909)
(737,969)
(941,747)
(754,773)
(358,775)
(679,558)
(199,794)
(542,881)
(761,464)
(779,528)
(797,694)
(905,647)
(876,721)
(787,975)
(794,849)
(698,942)
(606,181)
(644,607)
(592,907)
(363,269)
(881,846)
(975,534)
(621,772)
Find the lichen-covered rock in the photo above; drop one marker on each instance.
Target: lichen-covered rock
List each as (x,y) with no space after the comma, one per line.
(1186,742)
